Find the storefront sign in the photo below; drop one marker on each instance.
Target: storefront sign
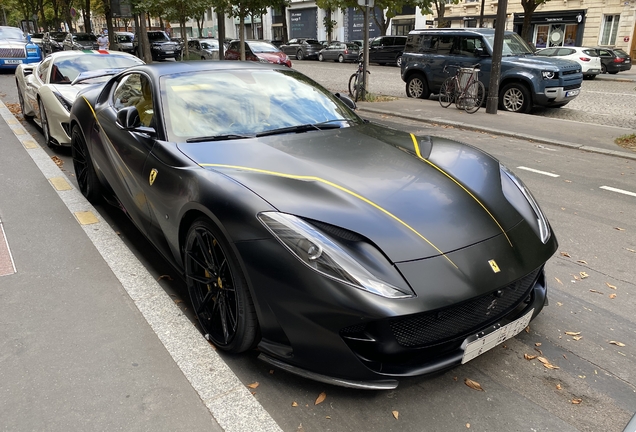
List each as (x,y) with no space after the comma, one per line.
(354,24)
(303,23)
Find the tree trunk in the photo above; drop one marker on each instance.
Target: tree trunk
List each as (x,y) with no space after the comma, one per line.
(285,34)
(382,24)
(108,13)
(242,33)
(529,7)
(87,17)
(220,17)
(144,44)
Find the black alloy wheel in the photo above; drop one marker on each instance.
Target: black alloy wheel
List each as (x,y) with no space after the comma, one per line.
(416,87)
(84,170)
(218,289)
(44,121)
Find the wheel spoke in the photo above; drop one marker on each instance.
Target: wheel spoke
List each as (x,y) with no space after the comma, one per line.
(196,260)
(202,247)
(204,281)
(208,296)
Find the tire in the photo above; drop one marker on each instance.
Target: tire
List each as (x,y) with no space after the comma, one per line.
(84,170)
(320,57)
(354,87)
(447,92)
(44,122)
(473,97)
(341,58)
(591,77)
(416,87)
(398,61)
(218,289)
(21,101)
(515,97)
(603,68)
(299,55)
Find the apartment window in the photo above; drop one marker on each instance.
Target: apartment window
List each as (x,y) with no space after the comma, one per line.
(609,29)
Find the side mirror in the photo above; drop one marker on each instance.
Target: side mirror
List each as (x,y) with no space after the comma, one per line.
(347,100)
(128,119)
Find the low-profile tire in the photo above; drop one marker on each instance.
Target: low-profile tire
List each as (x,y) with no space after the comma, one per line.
(84,170)
(299,55)
(320,57)
(398,61)
(218,289)
(340,58)
(44,122)
(515,97)
(417,87)
(21,101)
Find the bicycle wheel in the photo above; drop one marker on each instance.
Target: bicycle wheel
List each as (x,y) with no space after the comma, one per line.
(352,80)
(355,86)
(474,97)
(447,92)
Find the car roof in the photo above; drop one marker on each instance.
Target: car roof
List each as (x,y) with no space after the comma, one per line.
(472,31)
(75,53)
(157,70)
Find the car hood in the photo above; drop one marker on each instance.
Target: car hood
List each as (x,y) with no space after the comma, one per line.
(67,91)
(370,180)
(271,56)
(539,62)
(12,44)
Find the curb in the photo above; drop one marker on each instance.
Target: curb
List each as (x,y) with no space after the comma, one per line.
(500,132)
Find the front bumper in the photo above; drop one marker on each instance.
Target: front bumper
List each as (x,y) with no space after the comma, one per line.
(557,95)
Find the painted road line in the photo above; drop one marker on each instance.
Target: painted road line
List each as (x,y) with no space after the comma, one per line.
(621,191)
(7,265)
(538,172)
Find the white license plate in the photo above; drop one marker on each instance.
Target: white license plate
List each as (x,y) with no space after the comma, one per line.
(627,61)
(13,62)
(169,52)
(572,93)
(491,340)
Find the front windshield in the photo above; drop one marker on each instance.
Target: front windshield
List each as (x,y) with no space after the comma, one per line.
(11,33)
(245,102)
(513,45)
(68,68)
(124,38)
(210,45)
(157,37)
(262,47)
(85,37)
(58,36)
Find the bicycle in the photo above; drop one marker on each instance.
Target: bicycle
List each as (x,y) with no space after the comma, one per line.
(356,80)
(463,88)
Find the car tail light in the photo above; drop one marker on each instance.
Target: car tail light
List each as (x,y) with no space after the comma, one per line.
(584,58)
(346,52)
(619,60)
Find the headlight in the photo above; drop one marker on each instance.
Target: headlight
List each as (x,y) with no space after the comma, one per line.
(32,51)
(537,215)
(316,250)
(548,75)
(65,103)
(262,60)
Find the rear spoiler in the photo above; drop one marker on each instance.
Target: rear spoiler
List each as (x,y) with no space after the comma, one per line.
(95,74)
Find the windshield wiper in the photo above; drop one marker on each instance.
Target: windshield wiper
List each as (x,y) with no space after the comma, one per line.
(304,127)
(218,138)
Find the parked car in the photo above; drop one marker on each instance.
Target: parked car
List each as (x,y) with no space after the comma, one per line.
(80,41)
(346,251)
(614,60)
(124,42)
(53,42)
(257,50)
(16,49)
(526,80)
(340,52)
(36,38)
(47,90)
(302,48)
(387,49)
(203,49)
(161,46)
(587,57)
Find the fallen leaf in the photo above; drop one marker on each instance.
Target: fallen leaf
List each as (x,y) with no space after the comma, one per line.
(253,385)
(582,376)
(597,292)
(577,401)
(558,387)
(558,280)
(529,356)
(473,384)
(620,344)
(609,285)
(467,425)
(328,417)
(168,277)
(612,296)
(569,333)
(559,304)
(550,366)
(565,357)
(568,181)
(565,254)
(527,329)
(631,250)
(294,404)
(583,275)
(253,393)
(619,229)
(395,414)
(321,398)
(177,301)
(543,360)
(59,162)
(537,344)
(271,371)
(454,378)
(581,261)
(577,337)
(575,277)
(539,351)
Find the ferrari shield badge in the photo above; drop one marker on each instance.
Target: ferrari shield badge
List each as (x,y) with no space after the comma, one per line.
(493,264)
(153,176)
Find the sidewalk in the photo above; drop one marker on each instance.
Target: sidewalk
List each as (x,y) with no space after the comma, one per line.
(88,339)
(584,136)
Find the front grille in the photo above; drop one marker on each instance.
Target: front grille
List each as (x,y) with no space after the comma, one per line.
(572,87)
(12,53)
(445,324)
(570,72)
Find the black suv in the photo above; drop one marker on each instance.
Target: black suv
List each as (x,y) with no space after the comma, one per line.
(526,79)
(161,46)
(53,42)
(387,49)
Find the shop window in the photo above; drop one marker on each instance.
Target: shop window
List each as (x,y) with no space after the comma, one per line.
(609,29)
(470,23)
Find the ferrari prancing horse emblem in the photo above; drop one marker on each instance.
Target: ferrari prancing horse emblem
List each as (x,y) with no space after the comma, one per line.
(153,176)
(493,264)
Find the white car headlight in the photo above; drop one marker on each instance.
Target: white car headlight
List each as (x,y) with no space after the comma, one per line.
(319,252)
(538,216)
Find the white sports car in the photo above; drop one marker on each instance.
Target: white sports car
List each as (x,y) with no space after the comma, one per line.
(47,90)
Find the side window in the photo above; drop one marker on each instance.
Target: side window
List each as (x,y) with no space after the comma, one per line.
(565,51)
(547,52)
(43,70)
(376,42)
(445,45)
(604,53)
(293,41)
(135,90)
(190,44)
(468,45)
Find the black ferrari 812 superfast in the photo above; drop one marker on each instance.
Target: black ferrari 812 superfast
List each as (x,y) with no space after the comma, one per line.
(347,252)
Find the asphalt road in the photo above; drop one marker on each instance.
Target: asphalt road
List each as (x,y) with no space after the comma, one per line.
(596,230)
